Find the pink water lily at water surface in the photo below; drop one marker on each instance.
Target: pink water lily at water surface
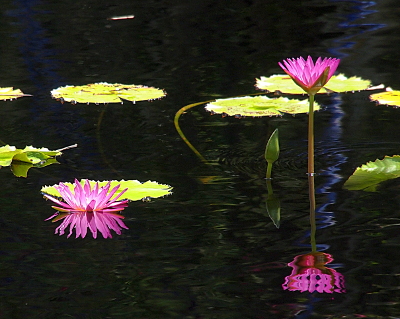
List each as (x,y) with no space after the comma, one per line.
(310,76)
(86,207)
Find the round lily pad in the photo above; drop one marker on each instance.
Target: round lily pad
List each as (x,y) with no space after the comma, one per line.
(136,190)
(389,98)
(106,93)
(259,106)
(337,83)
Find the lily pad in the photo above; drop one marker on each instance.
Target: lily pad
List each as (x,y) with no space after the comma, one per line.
(337,83)
(9,93)
(259,106)
(368,176)
(29,154)
(390,97)
(106,93)
(21,160)
(136,190)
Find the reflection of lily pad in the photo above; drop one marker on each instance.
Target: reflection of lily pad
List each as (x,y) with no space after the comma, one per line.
(338,83)
(259,106)
(9,93)
(389,97)
(20,169)
(106,93)
(136,190)
(368,176)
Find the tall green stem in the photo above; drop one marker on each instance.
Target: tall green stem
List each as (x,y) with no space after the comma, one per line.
(311,173)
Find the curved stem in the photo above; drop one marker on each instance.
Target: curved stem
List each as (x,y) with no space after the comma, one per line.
(178,129)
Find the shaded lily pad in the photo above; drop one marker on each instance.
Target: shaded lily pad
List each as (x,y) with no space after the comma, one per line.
(368,176)
(259,106)
(136,190)
(390,97)
(106,93)
(9,93)
(21,160)
(338,83)
(29,154)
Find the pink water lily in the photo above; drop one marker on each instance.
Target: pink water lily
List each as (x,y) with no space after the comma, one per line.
(310,76)
(85,207)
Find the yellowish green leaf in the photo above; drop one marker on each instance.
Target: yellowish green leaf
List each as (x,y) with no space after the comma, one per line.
(21,160)
(338,83)
(389,97)
(106,93)
(8,93)
(259,106)
(136,190)
(368,176)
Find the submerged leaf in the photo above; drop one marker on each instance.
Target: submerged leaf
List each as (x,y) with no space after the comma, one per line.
(106,93)
(389,97)
(259,106)
(368,176)
(338,83)
(136,190)
(9,93)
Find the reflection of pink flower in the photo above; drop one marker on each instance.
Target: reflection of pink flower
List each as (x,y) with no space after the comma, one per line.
(309,76)
(86,207)
(310,274)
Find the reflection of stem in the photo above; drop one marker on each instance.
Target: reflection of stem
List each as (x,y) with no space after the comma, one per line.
(312,212)
(269,187)
(183,137)
(311,173)
(269,170)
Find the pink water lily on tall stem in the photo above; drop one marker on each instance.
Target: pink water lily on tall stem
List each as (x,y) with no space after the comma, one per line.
(310,76)
(86,207)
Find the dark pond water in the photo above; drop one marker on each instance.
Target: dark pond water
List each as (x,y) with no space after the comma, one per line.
(209,250)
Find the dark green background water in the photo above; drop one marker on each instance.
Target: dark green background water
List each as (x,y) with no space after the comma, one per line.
(209,250)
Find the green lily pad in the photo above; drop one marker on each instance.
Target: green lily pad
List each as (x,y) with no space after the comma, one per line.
(259,106)
(29,154)
(368,176)
(389,98)
(8,93)
(337,83)
(106,93)
(136,190)
(21,160)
